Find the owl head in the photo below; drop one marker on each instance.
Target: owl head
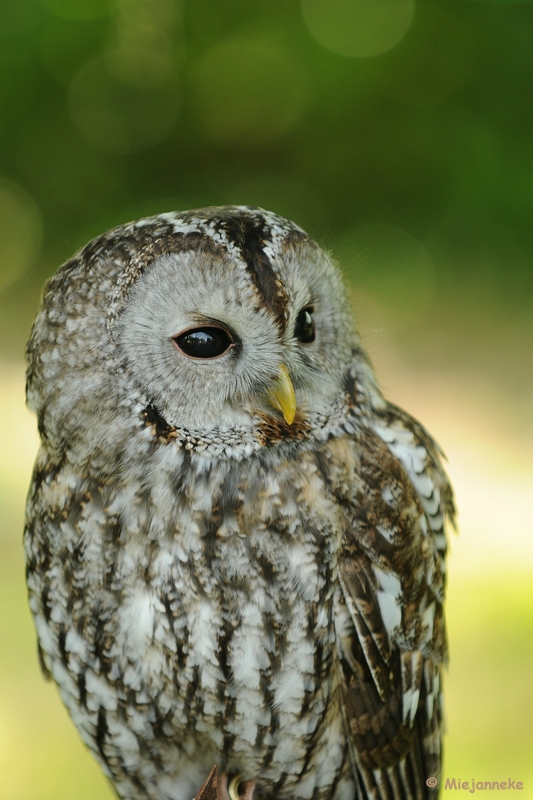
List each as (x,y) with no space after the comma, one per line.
(224,323)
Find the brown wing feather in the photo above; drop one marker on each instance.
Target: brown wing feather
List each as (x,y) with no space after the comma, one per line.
(392,578)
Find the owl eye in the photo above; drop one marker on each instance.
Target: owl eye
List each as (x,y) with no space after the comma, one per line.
(207,342)
(304,330)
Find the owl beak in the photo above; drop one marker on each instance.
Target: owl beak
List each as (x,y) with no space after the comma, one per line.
(281,395)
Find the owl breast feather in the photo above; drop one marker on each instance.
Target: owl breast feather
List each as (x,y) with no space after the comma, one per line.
(207,596)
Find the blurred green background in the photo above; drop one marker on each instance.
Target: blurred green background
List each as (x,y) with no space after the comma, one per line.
(399,133)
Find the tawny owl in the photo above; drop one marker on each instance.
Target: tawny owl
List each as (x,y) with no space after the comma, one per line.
(235,546)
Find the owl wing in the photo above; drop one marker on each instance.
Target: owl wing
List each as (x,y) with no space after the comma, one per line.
(392,575)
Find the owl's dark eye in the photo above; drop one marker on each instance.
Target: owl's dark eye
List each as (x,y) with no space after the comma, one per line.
(304,330)
(209,342)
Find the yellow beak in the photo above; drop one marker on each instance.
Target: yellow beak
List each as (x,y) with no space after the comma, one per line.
(281,395)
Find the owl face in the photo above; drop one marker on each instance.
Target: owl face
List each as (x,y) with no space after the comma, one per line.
(219,319)
(213,341)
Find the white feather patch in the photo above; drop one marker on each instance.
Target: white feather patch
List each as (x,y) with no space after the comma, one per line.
(389,599)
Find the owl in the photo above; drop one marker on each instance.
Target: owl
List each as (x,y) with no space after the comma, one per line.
(235,545)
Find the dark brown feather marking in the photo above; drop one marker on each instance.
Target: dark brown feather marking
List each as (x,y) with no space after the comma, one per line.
(101,732)
(249,232)
(160,427)
(273,429)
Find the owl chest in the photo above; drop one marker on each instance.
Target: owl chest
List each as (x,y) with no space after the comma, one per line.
(231,609)
(241,612)
(213,605)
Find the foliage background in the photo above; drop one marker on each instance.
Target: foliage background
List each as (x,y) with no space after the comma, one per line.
(401,139)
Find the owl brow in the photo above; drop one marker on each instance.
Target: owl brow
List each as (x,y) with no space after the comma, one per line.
(250,234)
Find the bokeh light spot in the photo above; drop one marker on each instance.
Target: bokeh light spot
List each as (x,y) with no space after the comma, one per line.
(358,28)
(21,231)
(393,267)
(125,101)
(78,9)
(139,68)
(249,91)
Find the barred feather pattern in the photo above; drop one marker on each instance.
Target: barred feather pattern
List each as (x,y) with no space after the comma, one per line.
(263,596)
